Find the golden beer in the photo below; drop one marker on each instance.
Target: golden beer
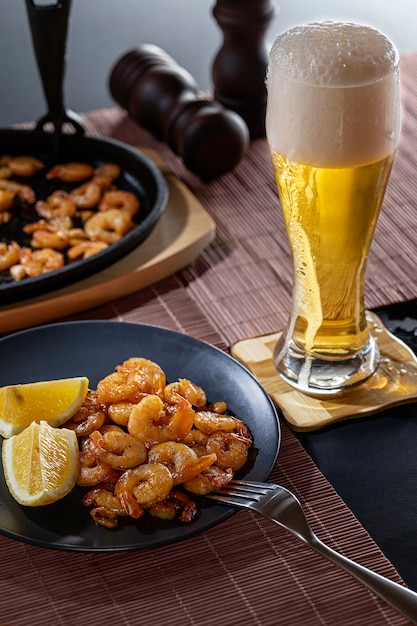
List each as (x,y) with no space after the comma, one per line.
(333,126)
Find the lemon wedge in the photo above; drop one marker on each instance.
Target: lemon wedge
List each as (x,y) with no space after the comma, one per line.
(53,401)
(40,464)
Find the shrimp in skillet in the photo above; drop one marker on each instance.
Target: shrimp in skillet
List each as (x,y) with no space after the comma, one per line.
(36,262)
(58,204)
(109,226)
(9,255)
(125,201)
(25,165)
(71,172)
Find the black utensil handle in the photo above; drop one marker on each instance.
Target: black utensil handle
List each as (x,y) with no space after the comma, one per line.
(49,29)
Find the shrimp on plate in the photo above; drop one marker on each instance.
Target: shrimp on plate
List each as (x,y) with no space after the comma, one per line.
(154,379)
(119,412)
(143,486)
(89,417)
(106,506)
(119,387)
(117,448)
(196,440)
(188,390)
(210,422)
(211,479)
(176,501)
(151,421)
(92,472)
(182,462)
(231,449)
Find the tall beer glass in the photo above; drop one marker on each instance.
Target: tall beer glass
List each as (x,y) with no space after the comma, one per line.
(333,125)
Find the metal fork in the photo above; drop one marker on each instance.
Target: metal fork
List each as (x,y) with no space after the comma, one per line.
(281,506)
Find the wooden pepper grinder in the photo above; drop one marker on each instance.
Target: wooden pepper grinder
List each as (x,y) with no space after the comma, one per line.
(239,68)
(163,98)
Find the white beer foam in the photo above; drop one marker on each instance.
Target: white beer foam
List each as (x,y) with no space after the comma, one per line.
(333,95)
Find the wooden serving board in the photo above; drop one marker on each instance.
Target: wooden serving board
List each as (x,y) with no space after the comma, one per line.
(182,232)
(394,382)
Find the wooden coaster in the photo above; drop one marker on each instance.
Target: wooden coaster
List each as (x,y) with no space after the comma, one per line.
(182,232)
(394,382)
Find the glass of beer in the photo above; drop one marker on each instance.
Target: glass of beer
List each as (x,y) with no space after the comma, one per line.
(333,126)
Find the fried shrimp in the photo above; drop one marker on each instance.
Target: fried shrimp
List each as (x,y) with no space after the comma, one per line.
(109,226)
(212,479)
(9,255)
(85,249)
(107,508)
(87,196)
(92,472)
(117,448)
(37,262)
(142,486)
(151,421)
(196,440)
(182,462)
(231,450)
(210,422)
(89,417)
(188,390)
(146,445)
(5,172)
(154,379)
(109,170)
(58,204)
(176,501)
(125,201)
(24,192)
(6,199)
(71,172)
(103,496)
(47,235)
(119,387)
(25,165)
(119,412)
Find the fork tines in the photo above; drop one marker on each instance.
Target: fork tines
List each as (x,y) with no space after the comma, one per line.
(248,485)
(241,492)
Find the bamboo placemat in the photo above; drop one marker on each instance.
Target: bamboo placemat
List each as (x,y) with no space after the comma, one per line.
(394,382)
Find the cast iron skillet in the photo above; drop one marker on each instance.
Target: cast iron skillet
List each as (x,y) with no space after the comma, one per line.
(59,137)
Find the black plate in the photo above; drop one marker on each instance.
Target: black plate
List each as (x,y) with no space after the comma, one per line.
(93,349)
(140,176)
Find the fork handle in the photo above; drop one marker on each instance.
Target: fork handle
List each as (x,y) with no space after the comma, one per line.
(400,598)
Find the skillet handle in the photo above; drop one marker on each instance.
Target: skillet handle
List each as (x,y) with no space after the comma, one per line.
(49,29)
